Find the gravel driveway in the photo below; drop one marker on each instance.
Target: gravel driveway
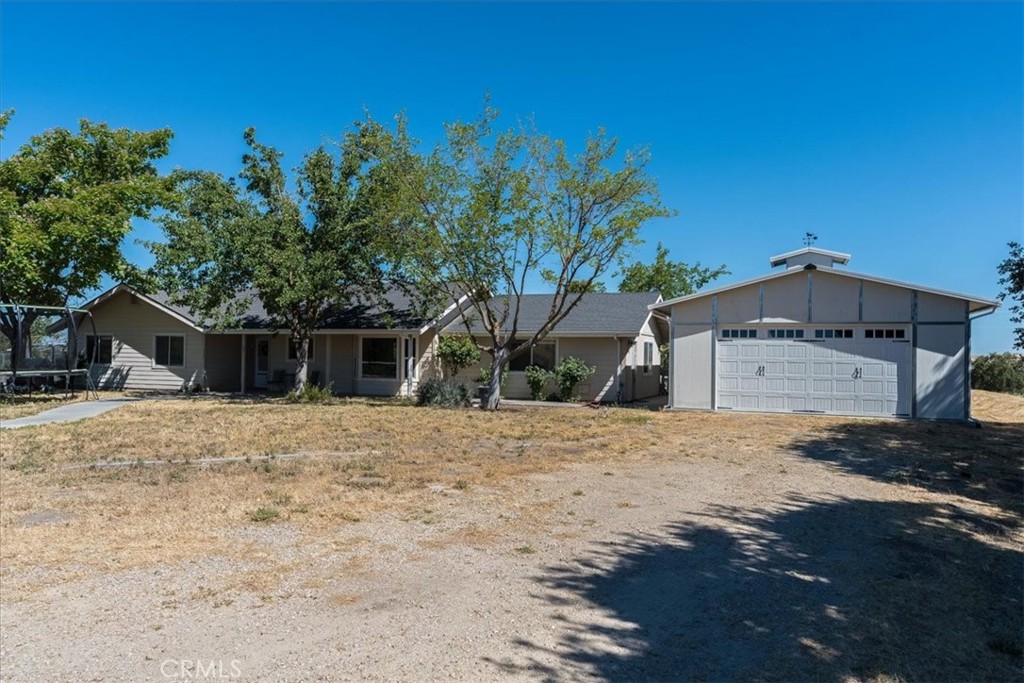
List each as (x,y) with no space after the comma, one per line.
(776,568)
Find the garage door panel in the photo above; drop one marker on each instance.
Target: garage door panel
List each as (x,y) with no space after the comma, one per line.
(850,376)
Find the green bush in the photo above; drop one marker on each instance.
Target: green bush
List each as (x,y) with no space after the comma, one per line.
(568,373)
(444,393)
(485,376)
(999,372)
(310,393)
(457,352)
(537,378)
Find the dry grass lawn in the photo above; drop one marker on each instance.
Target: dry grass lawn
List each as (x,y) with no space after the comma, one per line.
(366,460)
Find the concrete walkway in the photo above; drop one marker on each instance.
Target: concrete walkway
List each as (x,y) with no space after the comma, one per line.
(68,413)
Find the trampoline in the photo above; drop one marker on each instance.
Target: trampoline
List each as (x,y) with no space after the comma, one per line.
(45,364)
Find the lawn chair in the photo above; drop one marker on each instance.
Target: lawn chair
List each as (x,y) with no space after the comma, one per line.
(276,381)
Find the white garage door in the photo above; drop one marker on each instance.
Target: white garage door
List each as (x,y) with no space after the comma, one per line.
(854,371)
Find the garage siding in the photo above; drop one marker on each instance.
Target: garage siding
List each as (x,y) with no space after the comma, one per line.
(940,372)
(692,362)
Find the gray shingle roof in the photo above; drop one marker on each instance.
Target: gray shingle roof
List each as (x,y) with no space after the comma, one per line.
(396,311)
(597,313)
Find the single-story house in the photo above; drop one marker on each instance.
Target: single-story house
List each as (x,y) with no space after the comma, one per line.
(147,342)
(816,338)
(143,341)
(615,333)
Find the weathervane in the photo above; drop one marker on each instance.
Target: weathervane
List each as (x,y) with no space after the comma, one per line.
(809,239)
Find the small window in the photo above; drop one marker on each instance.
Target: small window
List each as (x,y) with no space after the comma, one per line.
(888,333)
(99,349)
(648,357)
(410,358)
(169,351)
(739,334)
(833,334)
(293,349)
(789,333)
(380,358)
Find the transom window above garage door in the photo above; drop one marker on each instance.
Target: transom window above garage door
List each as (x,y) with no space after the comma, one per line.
(833,333)
(786,334)
(885,333)
(739,334)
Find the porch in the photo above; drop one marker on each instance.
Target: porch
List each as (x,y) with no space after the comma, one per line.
(350,364)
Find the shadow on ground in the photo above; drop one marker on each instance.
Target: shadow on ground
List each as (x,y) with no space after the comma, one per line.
(827,590)
(984,464)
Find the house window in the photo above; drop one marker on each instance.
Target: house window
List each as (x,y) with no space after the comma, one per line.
(542,355)
(833,334)
(788,333)
(293,349)
(648,356)
(169,350)
(410,358)
(885,333)
(380,357)
(739,334)
(99,349)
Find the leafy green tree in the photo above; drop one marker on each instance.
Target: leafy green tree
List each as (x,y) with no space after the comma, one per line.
(670,278)
(1012,280)
(66,204)
(577,287)
(298,253)
(495,210)
(457,352)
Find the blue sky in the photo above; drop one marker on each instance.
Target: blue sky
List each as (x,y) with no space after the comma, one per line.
(893,131)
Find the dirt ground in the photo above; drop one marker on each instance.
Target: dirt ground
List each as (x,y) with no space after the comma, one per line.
(556,545)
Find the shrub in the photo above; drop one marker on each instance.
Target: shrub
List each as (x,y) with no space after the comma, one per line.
(264,514)
(457,352)
(445,393)
(537,379)
(999,372)
(310,393)
(485,376)
(568,373)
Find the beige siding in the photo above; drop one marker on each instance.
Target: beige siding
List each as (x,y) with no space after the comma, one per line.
(695,311)
(343,364)
(599,353)
(943,309)
(224,362)
(650,384)
(785,298)
(692,366)
(883,303)
(834,299)
(940,372)
(134,327)
(739,306)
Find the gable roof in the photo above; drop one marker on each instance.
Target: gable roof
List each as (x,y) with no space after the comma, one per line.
(833,256)
(597,313)
(976,303)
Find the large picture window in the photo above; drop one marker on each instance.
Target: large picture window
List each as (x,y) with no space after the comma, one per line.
(169,350)
(103,348)
(542,355)
(380,357)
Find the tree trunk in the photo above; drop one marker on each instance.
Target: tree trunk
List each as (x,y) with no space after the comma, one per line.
(494,385)
(302,362)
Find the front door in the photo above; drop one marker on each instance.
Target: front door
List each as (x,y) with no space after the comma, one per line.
(262,363)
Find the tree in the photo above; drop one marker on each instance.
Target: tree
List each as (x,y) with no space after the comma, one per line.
(457,352)
(66,204)
(1012,280)
(670,278)
(585,288)
(494,210)
(298,253)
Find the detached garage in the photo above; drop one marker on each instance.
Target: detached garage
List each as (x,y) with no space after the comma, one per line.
(815,338)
